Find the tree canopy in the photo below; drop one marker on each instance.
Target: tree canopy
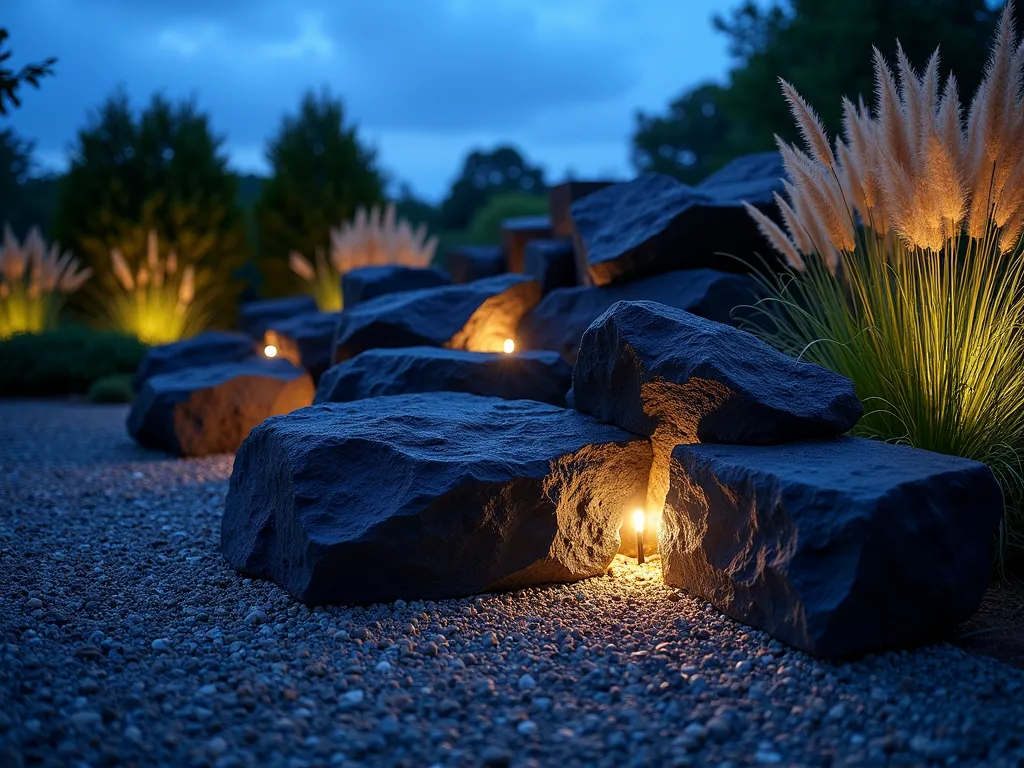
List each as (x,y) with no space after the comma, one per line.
(484,174)
(823,47)
(321,174)
(162,170)
(12,80)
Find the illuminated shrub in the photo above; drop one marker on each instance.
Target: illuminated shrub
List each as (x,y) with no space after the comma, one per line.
(157,303)
(371,239)
(903,242)
(34,282)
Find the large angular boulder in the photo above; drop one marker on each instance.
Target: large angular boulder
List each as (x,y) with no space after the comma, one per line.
(206,348)
(550,263)
(306,340)
(517,232)
(755,177)
(839,546)
(469,263)
(541,376)
(560,200)
(429,496)
(477,316)
(365,283)
(562,316)
(655,224)
(255,317)
(210,409)
(660,371)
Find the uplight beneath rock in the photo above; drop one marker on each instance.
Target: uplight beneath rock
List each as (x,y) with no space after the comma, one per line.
(509,346)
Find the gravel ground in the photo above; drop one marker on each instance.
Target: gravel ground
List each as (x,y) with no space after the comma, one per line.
(127,641)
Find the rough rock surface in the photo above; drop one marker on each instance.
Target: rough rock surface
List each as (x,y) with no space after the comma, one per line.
(550,263)
(754,177)
(517,232)
(477,316)
(655,224)
(306,340)
(560,200)
(839,546)
(660,371)
(468,263)
(365,283)
(256,316)
(541,376)
(206,348)
(428,497)
(560,319)
(200,411)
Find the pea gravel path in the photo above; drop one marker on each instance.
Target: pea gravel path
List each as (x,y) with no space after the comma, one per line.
(127,641)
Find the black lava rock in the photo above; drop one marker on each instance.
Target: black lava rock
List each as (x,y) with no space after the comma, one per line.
(210,409)
(560,200)
(838,547)
(306,340)
(550,263)
(206,348)
(365,283)
(660,371)
(429,496)
(256,316)
(655,224)
(541,376)
(560,319)
(478,316)
(469,263)
(517,232)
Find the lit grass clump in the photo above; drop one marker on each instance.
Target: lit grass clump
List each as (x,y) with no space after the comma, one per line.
(158,303)
(34,282)
(370,240)
(904,253)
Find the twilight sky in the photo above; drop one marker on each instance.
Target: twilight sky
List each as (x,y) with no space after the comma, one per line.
(425,80)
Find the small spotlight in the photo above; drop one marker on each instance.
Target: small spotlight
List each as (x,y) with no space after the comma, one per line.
(638,523)
(270,350)
(509,346)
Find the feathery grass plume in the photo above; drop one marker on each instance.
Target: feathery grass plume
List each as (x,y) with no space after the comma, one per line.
(372,238)
(33,282)
(918,293)
(157,303)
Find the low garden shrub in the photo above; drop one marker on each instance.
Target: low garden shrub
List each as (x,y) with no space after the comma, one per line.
(64,361)
(906,269)
(115,388)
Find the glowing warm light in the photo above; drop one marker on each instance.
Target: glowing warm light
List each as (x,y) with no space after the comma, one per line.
(638,520)
(270,350)
(509,346)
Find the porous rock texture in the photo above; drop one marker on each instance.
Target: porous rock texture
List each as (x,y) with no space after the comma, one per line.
(306,340)
(365,283)
(562,316)
(839,546)
(541,376)
(210,409)
(477,316)
(655,223)
(660,371)
(255,317)
(206,348)
(429,496)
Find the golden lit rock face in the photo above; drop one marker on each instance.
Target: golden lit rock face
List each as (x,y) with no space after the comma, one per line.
(496,320)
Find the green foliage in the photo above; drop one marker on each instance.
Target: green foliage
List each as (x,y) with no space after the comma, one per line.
(25,200)
(485,174)
(687,142)
(163,170)
(11,80)
(65,361)
(321,175)
(823,47)
(116,388)
(485,228)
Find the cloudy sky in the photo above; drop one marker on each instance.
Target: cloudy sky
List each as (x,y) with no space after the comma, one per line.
(425,80)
